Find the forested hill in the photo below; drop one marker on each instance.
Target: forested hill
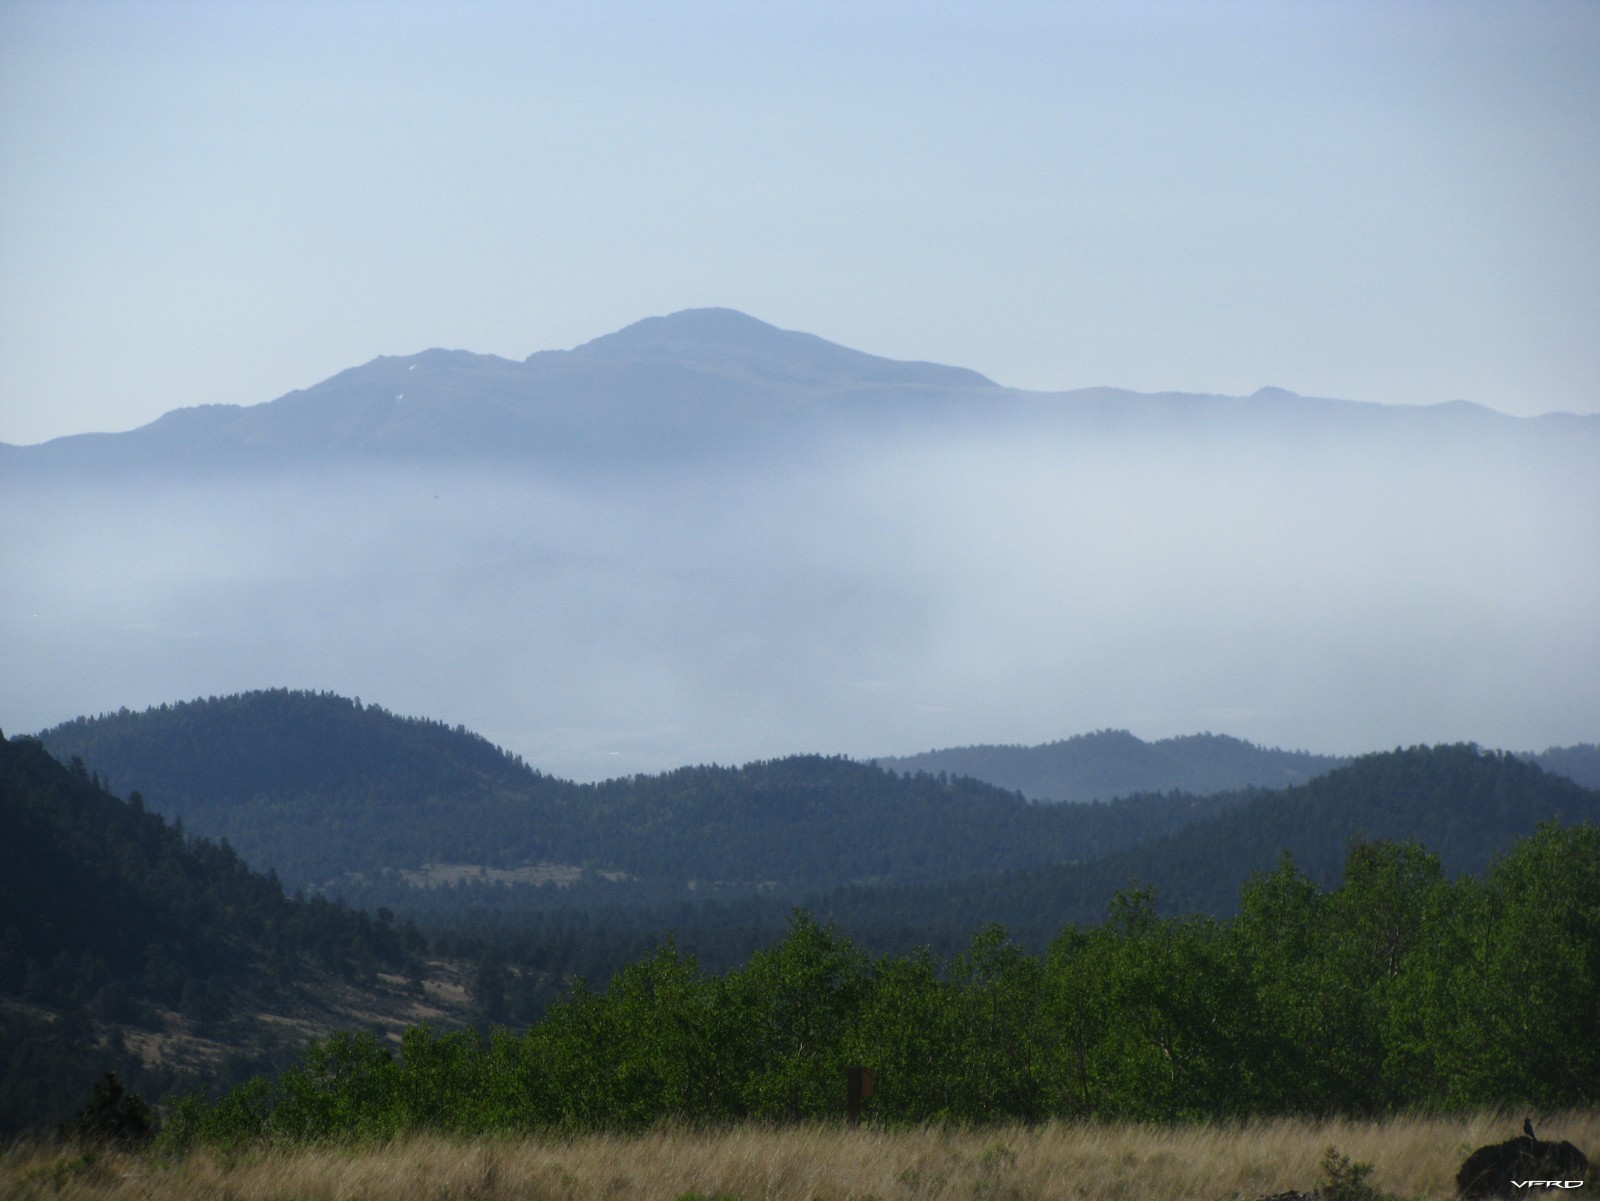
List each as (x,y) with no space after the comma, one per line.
(314,785)
(420,816)
(323,790)
(116,929)
(1463,804)
(1580,762)
(1112,763)
(216,753)
(83,873)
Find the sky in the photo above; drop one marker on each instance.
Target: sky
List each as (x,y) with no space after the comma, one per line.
(222,202)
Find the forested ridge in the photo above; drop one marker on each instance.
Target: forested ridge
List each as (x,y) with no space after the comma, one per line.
(355,802)
(1466,805)
(115,925)
(312,784)
(321,775)
(1113,763)
(1580,763)
(340,796)
(121,885)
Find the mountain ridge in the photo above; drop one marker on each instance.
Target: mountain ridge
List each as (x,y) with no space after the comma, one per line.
(1463,804)
(700,365)
(323,790)
(337,795)
(1109,763)
(127,943)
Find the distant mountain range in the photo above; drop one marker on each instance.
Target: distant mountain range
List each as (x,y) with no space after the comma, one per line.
(699,381)
(703,538)
(1112,763)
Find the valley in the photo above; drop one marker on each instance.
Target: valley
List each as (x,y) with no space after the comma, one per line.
(503,941)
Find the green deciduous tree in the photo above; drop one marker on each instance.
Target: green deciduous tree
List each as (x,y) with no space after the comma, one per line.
(787,1016)
(1514,1001)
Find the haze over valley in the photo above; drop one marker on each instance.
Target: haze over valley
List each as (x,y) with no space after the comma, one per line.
(705,539)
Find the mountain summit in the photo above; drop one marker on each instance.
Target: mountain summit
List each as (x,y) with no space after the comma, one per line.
(687,382)
(729,342)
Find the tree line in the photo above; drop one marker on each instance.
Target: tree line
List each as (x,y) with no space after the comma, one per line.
(1399,988)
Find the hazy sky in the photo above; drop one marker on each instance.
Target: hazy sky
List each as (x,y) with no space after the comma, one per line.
(221,202)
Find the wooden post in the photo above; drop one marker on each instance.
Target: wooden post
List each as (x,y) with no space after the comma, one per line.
(857,1088)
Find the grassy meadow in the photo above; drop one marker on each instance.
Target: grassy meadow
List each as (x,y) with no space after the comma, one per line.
(1411,1157)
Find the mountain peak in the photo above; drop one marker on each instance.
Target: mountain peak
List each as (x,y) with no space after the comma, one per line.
(734,343)
(707,326)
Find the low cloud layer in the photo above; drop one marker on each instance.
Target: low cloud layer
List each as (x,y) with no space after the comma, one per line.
(870,596)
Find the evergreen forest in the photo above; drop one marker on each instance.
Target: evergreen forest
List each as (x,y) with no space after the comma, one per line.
(1397,989)
(1417,929)
(347,798)
(116,927)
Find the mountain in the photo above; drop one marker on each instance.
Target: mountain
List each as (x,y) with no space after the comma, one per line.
(702,539)
(126,945)
(704,379)
(427,818)
(314,785)
(698,380)
(337,795)
(1111,763)
(1463,804)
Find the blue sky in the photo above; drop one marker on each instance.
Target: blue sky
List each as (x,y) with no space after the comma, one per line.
(221,202)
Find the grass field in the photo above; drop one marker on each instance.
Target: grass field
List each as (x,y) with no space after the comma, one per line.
(1411,1158)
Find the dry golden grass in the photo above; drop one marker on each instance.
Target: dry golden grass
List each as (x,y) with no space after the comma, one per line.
(1412,1158)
